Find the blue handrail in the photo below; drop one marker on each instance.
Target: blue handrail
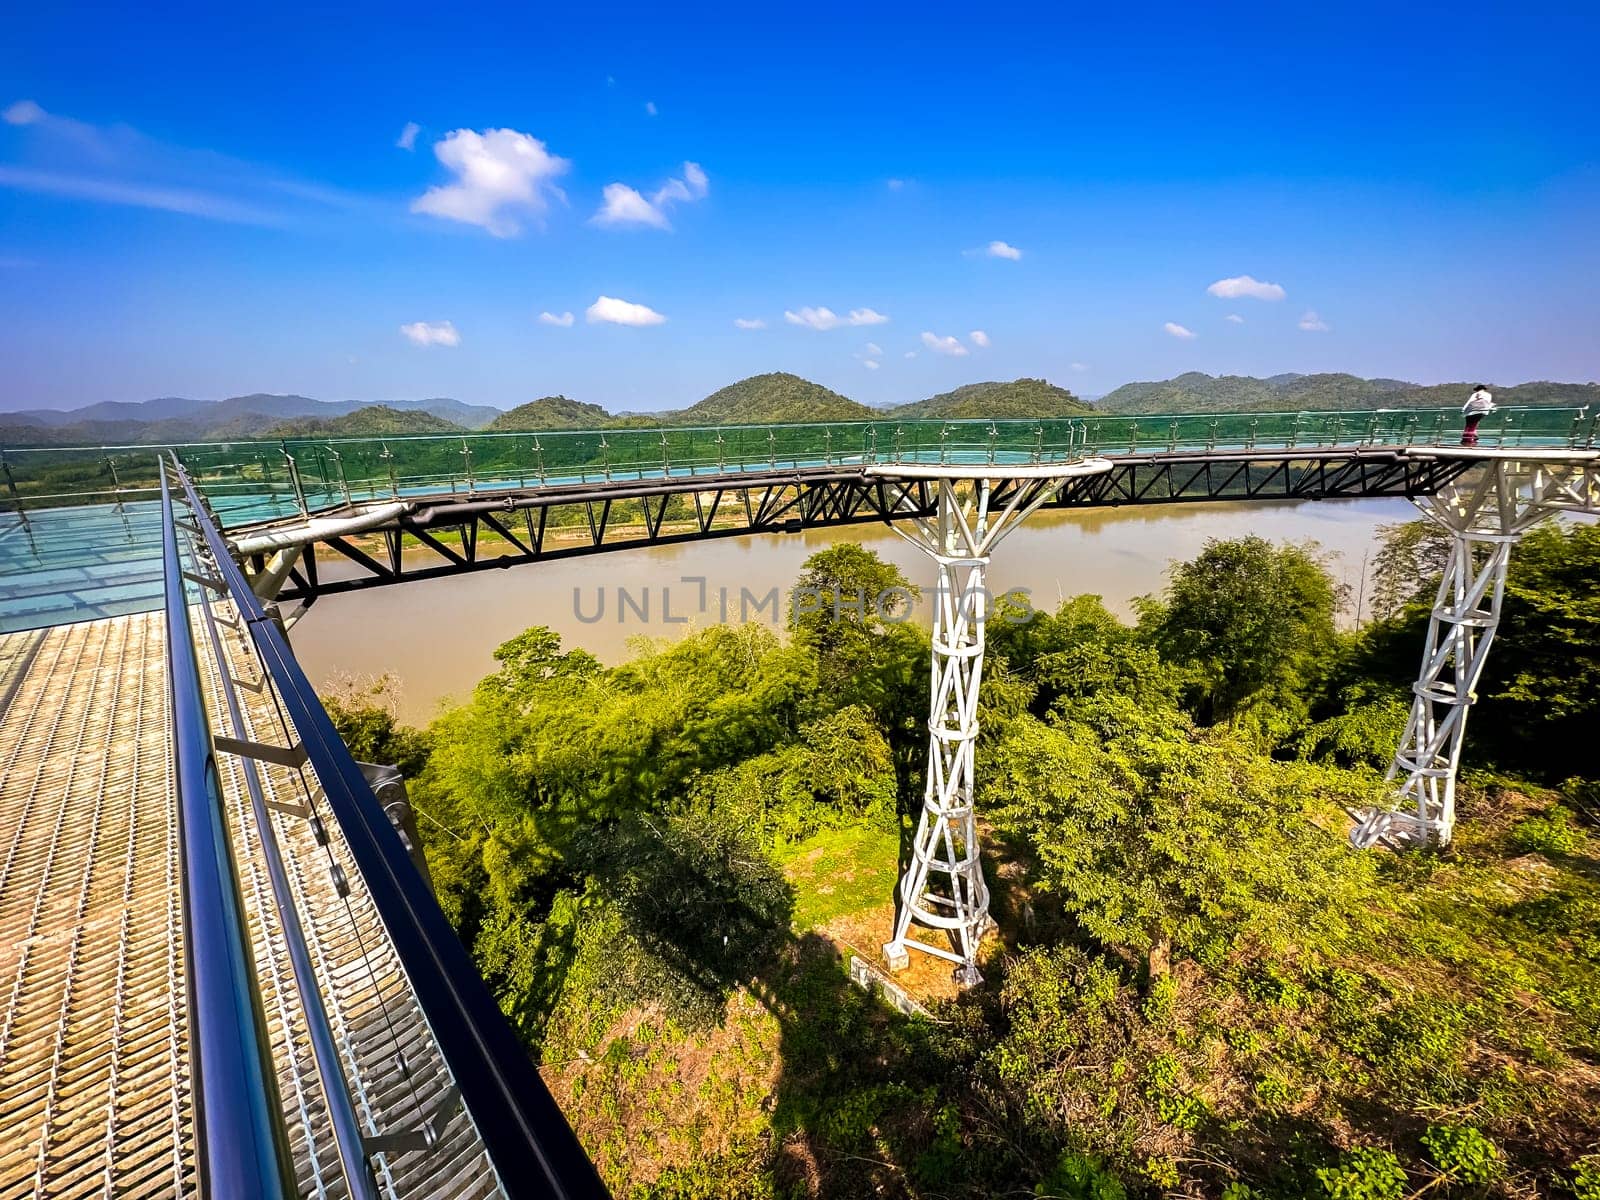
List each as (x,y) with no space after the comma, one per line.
(241,1148)
(533,1149)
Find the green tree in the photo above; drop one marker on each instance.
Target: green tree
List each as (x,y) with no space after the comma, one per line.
(1080,651)
(1245,619)
(1411,557)
(1161,841)
(367,717)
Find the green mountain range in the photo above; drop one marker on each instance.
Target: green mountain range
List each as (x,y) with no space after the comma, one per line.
(1198,393)
(774,397)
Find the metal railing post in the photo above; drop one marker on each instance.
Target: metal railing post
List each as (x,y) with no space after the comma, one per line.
(338,465)
(294,480)
(241,1148)
(394,478)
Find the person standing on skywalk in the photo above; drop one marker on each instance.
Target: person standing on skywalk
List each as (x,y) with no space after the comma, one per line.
(1479,405)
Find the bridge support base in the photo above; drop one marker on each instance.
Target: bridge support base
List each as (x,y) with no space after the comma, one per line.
(1485,513)
(943,888)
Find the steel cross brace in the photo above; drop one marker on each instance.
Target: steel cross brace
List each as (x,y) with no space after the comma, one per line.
(1486,513)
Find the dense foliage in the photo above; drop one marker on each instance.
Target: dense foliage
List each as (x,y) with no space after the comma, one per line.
(1198,988)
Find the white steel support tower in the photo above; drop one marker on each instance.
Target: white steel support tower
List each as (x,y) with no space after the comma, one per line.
(1486,511)
(942,888)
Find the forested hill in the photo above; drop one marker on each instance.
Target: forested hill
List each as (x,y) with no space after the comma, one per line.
(776,397)
(996,401)
(175,419)
(1196,392)
(550,412)
(376,420)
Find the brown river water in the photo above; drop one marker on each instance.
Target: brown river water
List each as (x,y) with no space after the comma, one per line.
(437,637)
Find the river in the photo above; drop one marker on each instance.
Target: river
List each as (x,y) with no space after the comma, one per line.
(437,637)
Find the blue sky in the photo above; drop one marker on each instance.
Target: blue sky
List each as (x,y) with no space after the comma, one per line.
(201,203)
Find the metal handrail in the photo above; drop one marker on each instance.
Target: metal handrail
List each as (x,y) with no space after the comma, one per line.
(241,1147)
(335,1086)
(263,478)
(533,1149)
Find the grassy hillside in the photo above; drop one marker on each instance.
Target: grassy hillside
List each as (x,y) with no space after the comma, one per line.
(551,412)
(774,397)
(1196,392)
(996,401)
(376,420)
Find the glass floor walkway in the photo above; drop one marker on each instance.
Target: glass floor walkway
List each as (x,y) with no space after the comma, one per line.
(79,564)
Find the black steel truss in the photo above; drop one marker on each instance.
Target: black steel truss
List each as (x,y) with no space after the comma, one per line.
(621,515)
(448,528)
(1287,475)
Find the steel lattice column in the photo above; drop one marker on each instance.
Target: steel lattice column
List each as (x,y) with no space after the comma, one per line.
(1485,514)
(942,887)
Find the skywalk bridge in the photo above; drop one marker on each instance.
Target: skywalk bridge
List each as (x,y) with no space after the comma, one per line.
(221,972)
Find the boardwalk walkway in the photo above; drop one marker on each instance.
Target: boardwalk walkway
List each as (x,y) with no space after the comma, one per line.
(94,1085)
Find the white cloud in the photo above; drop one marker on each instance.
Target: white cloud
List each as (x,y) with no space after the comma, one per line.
(872,350)
(116,164)
(408,136)
(189,201)
(563,321)
(1241,286)
(1001,250)
(871,364)
(979,338)
(650,107)
(749,323)
(623,205)
(1235,318)
(814,318)
(1312,323)
(895,185)
(500,174)
(621,312)
(1178,331)
(944,345)
(23,112)
(911,353)
(1080,366)
(432,333)
(826,318)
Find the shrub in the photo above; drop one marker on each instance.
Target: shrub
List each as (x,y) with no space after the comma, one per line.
(1462,1153)
(1553,833)
(1366,1174)
(1081,1177)
(1586,1177)
(1159,1003)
